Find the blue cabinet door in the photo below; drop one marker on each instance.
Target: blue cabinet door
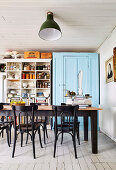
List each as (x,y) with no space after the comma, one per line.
(57,85)
(72,66)
(70,71)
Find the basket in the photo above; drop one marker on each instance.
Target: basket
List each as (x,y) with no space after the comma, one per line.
(46,55)
(31,55)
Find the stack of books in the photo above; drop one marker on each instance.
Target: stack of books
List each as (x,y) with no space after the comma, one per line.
(41,100)
(82,101)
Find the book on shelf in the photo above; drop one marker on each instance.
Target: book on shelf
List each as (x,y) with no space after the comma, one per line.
(41,100)
(83,106)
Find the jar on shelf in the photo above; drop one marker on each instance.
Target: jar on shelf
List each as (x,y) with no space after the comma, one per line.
(40,85)
(43,85)
(45,77)
(23,76)
(44,67)
(27,76)
(25,67)
(32,67)
(48,68)
(33,76)
(37,76)
(48,75)
(46,85)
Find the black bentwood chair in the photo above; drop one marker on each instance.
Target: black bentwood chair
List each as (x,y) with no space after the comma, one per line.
(4,126)
(60,128)
(7,119)
(69,120)
(42,120)
(29,126)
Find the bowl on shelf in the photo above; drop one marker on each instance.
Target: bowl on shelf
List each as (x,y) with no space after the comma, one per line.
(13,92)
(17,103)
(25,85)
(40,94)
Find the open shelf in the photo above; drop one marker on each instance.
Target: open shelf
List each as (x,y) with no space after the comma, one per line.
(31,71)
(43,88)
(28,79)
(43,70)
(13,88)
(13,70)
(13,79)
(44,79)
(28,88)
(41,77)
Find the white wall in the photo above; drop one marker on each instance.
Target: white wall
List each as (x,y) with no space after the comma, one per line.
(107,91)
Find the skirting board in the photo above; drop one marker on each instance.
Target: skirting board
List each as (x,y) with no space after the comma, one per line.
(114,139)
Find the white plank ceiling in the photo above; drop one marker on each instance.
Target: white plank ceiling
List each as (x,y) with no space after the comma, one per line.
(85,24)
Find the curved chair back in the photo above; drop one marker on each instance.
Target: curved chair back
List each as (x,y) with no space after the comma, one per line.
(1,107)
(24,112)
(4,103)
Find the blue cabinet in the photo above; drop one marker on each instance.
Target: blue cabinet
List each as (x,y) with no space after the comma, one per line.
(66,67)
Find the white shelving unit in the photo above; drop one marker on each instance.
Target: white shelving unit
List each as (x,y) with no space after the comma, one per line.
(14,71)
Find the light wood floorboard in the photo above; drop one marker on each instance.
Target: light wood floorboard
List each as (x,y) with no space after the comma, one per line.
(65,160)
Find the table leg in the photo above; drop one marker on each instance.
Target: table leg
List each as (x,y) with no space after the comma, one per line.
(85,128)
(94,138)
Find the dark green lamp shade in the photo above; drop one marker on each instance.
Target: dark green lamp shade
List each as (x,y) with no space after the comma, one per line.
(50,30)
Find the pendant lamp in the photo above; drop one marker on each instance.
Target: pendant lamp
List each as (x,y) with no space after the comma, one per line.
(50,30)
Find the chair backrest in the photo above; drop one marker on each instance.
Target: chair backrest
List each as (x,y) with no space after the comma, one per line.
(1,107)
(25,115)
(65,109)
(25,108)
(62,112)
(40,117)
(62,104)
(4,103)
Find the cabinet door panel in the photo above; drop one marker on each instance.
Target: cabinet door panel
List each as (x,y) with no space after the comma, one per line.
(70,74)
(57,79)
(72,66)
(83,64)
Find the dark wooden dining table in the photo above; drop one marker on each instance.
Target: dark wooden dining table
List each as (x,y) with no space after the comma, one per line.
(83,112)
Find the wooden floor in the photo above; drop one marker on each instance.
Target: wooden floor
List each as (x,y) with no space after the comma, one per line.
(65,160)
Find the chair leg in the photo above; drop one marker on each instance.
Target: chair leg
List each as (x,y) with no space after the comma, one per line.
(62,138)
(21,139)
(14,145)
(55,146)
(27,138)
(33,143)
(74,144)
(10,132)
(44,133)
(55,142)
(51,122)
(39,133)
(7,132)
(78,135)
(2,133)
